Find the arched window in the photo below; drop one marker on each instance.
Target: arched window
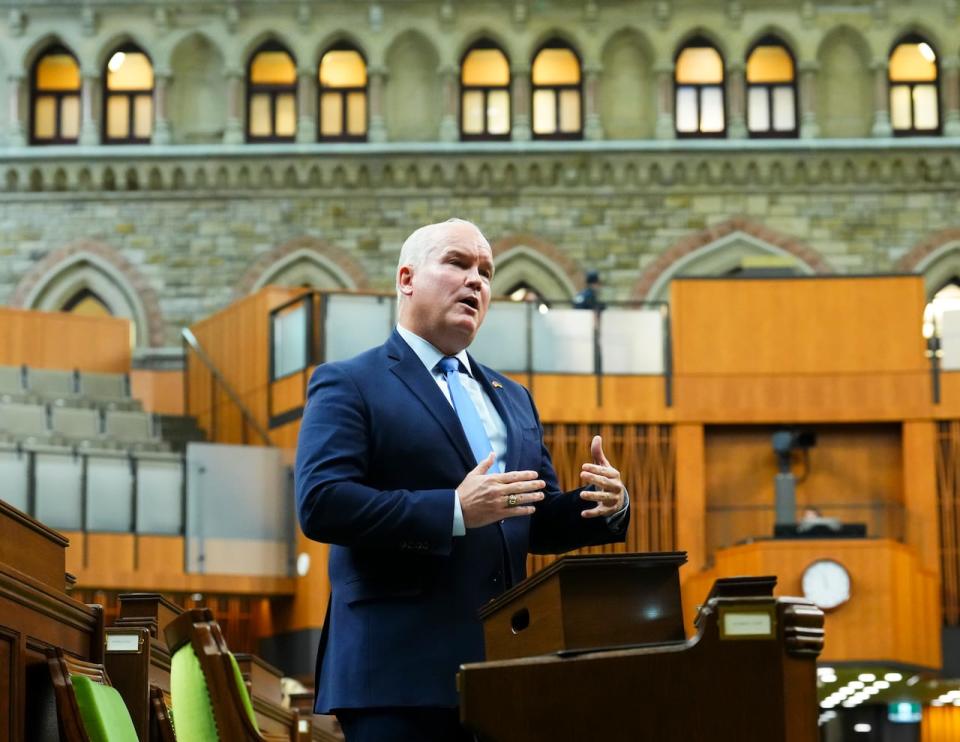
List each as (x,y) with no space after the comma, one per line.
(946,299)
(55,98)
(128,97)
(484,93)
(343,95)
(557,113)
(87,304)
(771,90)
(699,82)
(914,83)
(271,95)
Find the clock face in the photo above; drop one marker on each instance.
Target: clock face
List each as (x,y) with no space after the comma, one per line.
(826,583)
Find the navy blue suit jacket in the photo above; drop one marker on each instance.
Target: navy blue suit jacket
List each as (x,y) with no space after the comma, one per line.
(380,453)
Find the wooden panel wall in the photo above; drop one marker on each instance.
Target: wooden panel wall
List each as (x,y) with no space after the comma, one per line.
(894,610)
(798,326)
(160,391)
(64,341)
(646,458)
(237,341)
(940,724)
(854,473)
(948,496)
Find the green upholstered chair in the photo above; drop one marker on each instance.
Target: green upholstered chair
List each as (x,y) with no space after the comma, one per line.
(210,700)
(89,709)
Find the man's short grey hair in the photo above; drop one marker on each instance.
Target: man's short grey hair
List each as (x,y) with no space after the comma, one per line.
(418,246)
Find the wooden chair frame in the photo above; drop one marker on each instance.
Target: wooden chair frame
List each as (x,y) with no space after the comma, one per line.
(161,725)
(62,666)
(198,628)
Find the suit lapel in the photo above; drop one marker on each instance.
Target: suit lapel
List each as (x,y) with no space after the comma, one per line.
(498,398)
(411,371)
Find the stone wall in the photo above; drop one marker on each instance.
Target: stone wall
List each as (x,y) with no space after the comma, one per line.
(187,224)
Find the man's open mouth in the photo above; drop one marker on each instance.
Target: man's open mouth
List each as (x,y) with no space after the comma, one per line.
(471,301)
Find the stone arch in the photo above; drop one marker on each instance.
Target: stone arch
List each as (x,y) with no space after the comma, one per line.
(39,46)
(87,264)
(412,104)
(339,36)
(308,258)
(919,29)
(786,38)
(627,91)
(845,84)
(116,40)
(528,259)
(716,250)
(485,33)
(936,258)
(261,37)
(198,101)
(708,35)
(562,34)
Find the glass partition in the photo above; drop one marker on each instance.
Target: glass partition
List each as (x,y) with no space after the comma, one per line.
(291,334)
(353,323)
(240,516)
(563,341)
(632,341)
(502,340)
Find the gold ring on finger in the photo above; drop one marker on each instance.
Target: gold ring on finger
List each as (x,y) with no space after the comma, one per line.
(511,501)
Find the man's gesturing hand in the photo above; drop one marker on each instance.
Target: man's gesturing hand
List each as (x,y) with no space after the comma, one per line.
(607,490)
(487,498)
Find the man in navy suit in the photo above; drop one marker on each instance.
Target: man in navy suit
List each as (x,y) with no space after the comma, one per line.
(427,474)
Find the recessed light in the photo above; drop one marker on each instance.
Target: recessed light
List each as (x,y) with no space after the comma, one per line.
(893,677)
(867,677)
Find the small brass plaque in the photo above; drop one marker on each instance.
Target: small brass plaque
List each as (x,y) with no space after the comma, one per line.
(744,623)
(123,642)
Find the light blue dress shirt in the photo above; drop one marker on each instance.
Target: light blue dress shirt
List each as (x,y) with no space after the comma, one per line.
(493,424)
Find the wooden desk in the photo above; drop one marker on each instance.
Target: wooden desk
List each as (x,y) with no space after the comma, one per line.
(36,613)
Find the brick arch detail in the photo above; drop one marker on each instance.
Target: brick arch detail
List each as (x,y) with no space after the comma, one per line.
(927,247)
(135,280)
(564,263)
(339,257)
(693,242)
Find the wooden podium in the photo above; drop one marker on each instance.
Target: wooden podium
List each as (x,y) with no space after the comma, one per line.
(592,648)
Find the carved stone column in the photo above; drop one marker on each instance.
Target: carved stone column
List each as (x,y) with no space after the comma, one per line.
(161,115)
(809,127)
(737,101)
(449,129)
(376,78)
(881,101)
(307,83)
(233,132)
(950,69)
(89,108)
(17,92)
(520,105)
(665,128)
(592,126)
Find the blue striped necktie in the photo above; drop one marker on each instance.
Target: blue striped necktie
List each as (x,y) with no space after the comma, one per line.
(466,411)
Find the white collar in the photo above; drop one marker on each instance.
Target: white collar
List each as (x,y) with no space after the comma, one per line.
(428,354)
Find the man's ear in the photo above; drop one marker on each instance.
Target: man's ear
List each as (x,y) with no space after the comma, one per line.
(405,280)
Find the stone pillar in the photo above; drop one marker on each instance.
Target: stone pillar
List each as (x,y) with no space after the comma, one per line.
(449,129)
(592,125)
(809,127)
(737,101)
(16,92)
(233,133)
(161,114)
(520,104)
(665,128)
(950,85)
(307,92)
(376,79)
(89,108)
(881,101)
